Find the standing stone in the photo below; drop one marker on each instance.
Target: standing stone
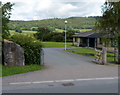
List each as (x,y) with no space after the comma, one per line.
(13,54)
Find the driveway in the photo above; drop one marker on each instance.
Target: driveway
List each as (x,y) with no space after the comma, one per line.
(61,65)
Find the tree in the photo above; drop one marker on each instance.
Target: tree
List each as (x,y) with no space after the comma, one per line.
(69,35)
(110,21)
(42,33)
(6,12)
(57,36)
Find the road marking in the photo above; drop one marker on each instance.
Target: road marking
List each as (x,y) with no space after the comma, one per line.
(20,83)
(70,80)
(43,82)
(64,80)
(106,78)
(84,79)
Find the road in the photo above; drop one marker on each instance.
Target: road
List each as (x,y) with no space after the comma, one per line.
(86,86)
(62,67)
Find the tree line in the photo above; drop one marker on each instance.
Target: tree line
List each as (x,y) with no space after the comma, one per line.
(73,23)
(44,34)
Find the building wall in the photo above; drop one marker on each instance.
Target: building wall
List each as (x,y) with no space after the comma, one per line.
(99,45)
(77,42)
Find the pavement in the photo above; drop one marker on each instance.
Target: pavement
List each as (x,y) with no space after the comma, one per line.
(61,65)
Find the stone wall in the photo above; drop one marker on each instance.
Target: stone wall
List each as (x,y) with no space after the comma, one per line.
(13,54)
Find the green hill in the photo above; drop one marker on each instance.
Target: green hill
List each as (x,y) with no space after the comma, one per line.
(73,23)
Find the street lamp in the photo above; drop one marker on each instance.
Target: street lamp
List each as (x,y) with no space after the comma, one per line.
(65,33)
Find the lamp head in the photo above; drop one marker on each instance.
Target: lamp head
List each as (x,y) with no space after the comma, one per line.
(66,21)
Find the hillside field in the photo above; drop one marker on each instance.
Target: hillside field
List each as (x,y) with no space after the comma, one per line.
(55,23)
(56,30)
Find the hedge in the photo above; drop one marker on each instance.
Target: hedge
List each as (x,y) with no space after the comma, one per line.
(32,47)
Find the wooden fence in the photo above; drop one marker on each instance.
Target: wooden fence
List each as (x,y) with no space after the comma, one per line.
(100,56)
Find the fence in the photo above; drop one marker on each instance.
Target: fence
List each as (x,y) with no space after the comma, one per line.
(100,56)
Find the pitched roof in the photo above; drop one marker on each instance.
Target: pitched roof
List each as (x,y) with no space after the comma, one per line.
(89,34)
(94,35)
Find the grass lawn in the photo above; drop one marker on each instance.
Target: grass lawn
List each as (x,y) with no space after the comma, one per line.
(7,71)
(59,30)
(90,52)
(55,44)
(83,30)
(23,32)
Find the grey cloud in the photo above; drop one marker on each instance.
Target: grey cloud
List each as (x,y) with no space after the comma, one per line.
(34,10)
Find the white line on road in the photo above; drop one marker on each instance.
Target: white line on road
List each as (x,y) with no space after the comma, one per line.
(20,83)
(64,80)
(43,82)
(97,79)
(70,80)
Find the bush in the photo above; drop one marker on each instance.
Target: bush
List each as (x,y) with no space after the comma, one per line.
(18,31)
(57,37)
(46,35)
(32,47)
(41,33)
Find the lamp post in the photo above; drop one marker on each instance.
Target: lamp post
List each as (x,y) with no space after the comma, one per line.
(65,33)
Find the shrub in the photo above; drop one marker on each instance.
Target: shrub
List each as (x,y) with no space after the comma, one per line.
(18,31)
(57,37)
(41,33)
(32,47)
(45,34)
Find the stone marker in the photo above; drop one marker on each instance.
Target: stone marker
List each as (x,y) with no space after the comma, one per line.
(13,54)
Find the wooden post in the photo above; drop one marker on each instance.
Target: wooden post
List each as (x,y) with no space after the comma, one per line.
(119,55)
(78,42)
(95,43)
(88,42)
(116,55)
(73,41)
(104,56)
(118,49)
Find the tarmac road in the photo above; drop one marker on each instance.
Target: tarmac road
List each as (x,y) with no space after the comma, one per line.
(61,65)
(86,86)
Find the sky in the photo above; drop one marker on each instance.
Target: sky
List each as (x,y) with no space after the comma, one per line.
(46,9)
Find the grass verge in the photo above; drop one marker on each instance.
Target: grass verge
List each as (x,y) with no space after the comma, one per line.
(7,71)
(55,44)
(90,52)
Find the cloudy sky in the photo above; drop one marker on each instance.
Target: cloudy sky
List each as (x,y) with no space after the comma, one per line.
(44,9)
